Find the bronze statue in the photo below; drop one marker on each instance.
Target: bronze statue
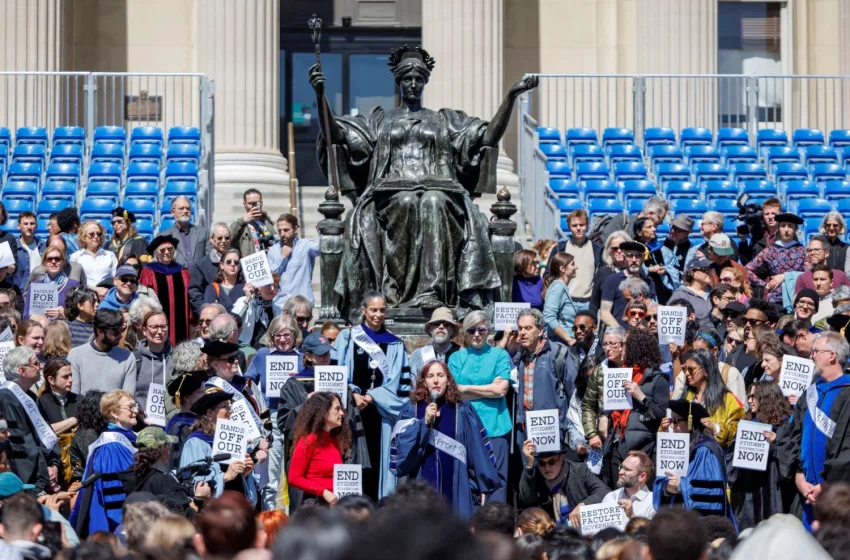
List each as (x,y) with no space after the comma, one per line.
(411,172)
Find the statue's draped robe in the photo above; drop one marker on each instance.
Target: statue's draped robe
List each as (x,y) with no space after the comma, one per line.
(414,233)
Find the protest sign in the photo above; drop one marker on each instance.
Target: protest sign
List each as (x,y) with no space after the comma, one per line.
(230,437)
(751,446)
(544,429)
(4,349)
(795,375)
(671,325)
(6,256)
(239,412)
(43,297)
(601,516)
(155,407)
(333,379)
(348,480)
(256,269)
(505,314)
(278,370)
(615,396)
(6,335)
(672,453)
(594,460)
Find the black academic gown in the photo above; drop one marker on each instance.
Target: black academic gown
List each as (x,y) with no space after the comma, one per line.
(28,458)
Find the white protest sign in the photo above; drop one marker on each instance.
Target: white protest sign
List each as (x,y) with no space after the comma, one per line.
(6,257)
(6,335)
(230,437)
(256,269)
(4,349)
(155,406)
(505,314)
(615,396)
(671,325)
(601,516)
(239,413)
(348,480)
(543,428)
(751,446)
(333,379)
(672,453)
(795,376)
(43,297)
(594,460)
(278,370)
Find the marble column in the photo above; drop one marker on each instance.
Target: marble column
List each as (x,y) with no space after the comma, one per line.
(238,46)
(466,39)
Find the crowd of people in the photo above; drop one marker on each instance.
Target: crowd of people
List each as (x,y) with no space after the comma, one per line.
(113,399)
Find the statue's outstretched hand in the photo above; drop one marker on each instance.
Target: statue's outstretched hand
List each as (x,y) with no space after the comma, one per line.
(317,79)
(525,84)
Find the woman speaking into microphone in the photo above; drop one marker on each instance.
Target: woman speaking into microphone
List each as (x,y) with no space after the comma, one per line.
(439,438)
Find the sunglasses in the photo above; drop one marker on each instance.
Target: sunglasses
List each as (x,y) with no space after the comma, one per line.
(230,359)
(727,280)
(53,259)
(302,319)
(583,327)
(735,341)
(751,321)
(652,316)
(128,280)
(690,371)
(481,330)
(444,324)
(637,314)
(551,462)
(232,263)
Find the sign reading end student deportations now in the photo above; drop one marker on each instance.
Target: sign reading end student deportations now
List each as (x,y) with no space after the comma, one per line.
(230,437)
(601,516)
(751,446)
(672,453)
(256,269)
(333,379)
(278,371)
(544,430)
(505,314)
(796,375)
(615,396)
(348,480)
(671,325)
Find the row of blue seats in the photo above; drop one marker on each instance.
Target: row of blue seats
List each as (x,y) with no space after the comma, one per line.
(38,135)
(100,153)
(103,172)
(67,190)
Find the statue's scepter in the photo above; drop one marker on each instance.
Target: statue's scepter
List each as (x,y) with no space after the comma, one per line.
(315,25)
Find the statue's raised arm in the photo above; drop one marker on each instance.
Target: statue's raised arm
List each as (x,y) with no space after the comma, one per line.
(317,81)
(499,123)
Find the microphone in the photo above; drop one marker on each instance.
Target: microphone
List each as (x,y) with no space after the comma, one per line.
(435,394)
(221,457)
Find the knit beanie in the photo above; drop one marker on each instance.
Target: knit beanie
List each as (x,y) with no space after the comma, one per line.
(809,293)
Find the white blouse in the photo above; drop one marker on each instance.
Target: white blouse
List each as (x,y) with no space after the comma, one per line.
(97,266)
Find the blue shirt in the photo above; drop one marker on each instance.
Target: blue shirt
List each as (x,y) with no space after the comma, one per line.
(256,372)
(296,270)
(481,367)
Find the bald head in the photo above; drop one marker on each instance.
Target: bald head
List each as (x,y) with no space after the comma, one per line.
(224,327)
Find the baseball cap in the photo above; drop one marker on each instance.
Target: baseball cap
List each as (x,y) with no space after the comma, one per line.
(126,270)
(721,245)
(10,485)
(703,264)
(152,437)
(316,343)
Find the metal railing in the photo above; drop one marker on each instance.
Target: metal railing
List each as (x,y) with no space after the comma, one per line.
(539,208)
(92,99)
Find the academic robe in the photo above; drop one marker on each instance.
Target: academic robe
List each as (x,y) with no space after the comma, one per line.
(461,484)
(171,285)
(704,489)
(390,396)
(197,448)
(179,425)
(99,507)
(28,457)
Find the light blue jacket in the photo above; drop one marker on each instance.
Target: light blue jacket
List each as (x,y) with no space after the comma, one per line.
(559,310)
(195,449)
(296,270)
(672,279)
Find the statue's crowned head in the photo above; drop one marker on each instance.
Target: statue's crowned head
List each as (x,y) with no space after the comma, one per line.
(404,59)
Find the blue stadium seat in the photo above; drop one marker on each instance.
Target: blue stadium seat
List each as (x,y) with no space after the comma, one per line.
(554,152)
(15,206)
(546,135)
(729,136)
(105,172)
(145,153)
(141,207)
(567,205)
(144,225)
(69,136)
(97,209)
(63,172)
(662,231)
(658,135)
(702,154)
(604,206)
(184,152)
(4,156)
(187,135)
(560,187)
(822,172)
(635,205)
(695,137)
(638,190)
(624,152)
(797,189)
(730,227)
(11,225)
(689,207)
(726,206)
(23,190)
(165,222)
(138,171)
(108,153)
(24,172)
(67,153)
(595,189)
(696,237)
(559,169)
(32,135)
(845,155)
(48,206)
(748,172)
(739,154)
(811,227)
(110,135)
(29,153)
(59,190)
(785,172)
(836,190)
(807,137)
(142,190)
(105,190)
(628,170)
(842,206)
(5,137)
(617,136)
(813,207)
(710,172)
(582,135)
(672,172)
(720,190)
(767,137)
(759,189)
(775,155)
(819,154)
(682,189)
(665,153)
(592,171)
(580,153)
(839,138)
(187,189)
(151,135)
